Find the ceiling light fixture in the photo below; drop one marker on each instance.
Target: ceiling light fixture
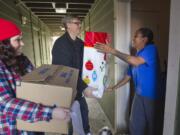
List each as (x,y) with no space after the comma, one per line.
(54,4)
(67,5)
(61,10)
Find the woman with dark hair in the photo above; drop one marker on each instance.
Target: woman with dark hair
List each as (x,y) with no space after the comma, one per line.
(13,65)
(144,70)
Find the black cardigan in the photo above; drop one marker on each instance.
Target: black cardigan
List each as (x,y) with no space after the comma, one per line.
(69,52)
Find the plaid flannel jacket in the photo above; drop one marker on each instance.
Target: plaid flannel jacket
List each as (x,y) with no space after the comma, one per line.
(12,108)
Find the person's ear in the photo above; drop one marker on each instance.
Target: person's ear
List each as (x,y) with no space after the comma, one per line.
(68,25)
(145,39)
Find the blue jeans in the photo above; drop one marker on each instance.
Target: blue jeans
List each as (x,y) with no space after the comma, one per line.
(84,114)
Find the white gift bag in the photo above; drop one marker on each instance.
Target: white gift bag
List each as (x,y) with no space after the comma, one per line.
(94,62)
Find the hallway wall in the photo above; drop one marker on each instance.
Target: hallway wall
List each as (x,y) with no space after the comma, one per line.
(172,104)
(122,13)
(36,35)
(177,119)
(101,18)
(155,15)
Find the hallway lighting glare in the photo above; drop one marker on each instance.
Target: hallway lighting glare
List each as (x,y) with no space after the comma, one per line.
(62,28)
(60,10)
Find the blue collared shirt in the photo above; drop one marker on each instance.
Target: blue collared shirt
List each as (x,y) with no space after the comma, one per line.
(146,76)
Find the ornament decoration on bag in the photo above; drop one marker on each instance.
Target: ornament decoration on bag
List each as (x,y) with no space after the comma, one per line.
(94,76)
(89,65)
(87,80)
(105,79)
(102,66)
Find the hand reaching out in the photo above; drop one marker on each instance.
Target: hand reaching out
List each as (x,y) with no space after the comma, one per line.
(103,48)
(60,113)
(88,92)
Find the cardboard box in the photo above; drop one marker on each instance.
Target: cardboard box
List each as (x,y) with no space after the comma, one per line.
(49,85)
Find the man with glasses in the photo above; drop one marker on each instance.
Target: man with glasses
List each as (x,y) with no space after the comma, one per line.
(68,51)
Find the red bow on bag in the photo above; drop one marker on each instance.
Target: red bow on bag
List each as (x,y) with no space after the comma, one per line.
(91,38)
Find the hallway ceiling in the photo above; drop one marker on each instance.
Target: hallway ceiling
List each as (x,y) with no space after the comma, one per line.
(46,10)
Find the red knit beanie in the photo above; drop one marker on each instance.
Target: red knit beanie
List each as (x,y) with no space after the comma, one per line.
(8,29)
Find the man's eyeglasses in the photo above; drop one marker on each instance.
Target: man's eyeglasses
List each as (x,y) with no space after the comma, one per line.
(77,23)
